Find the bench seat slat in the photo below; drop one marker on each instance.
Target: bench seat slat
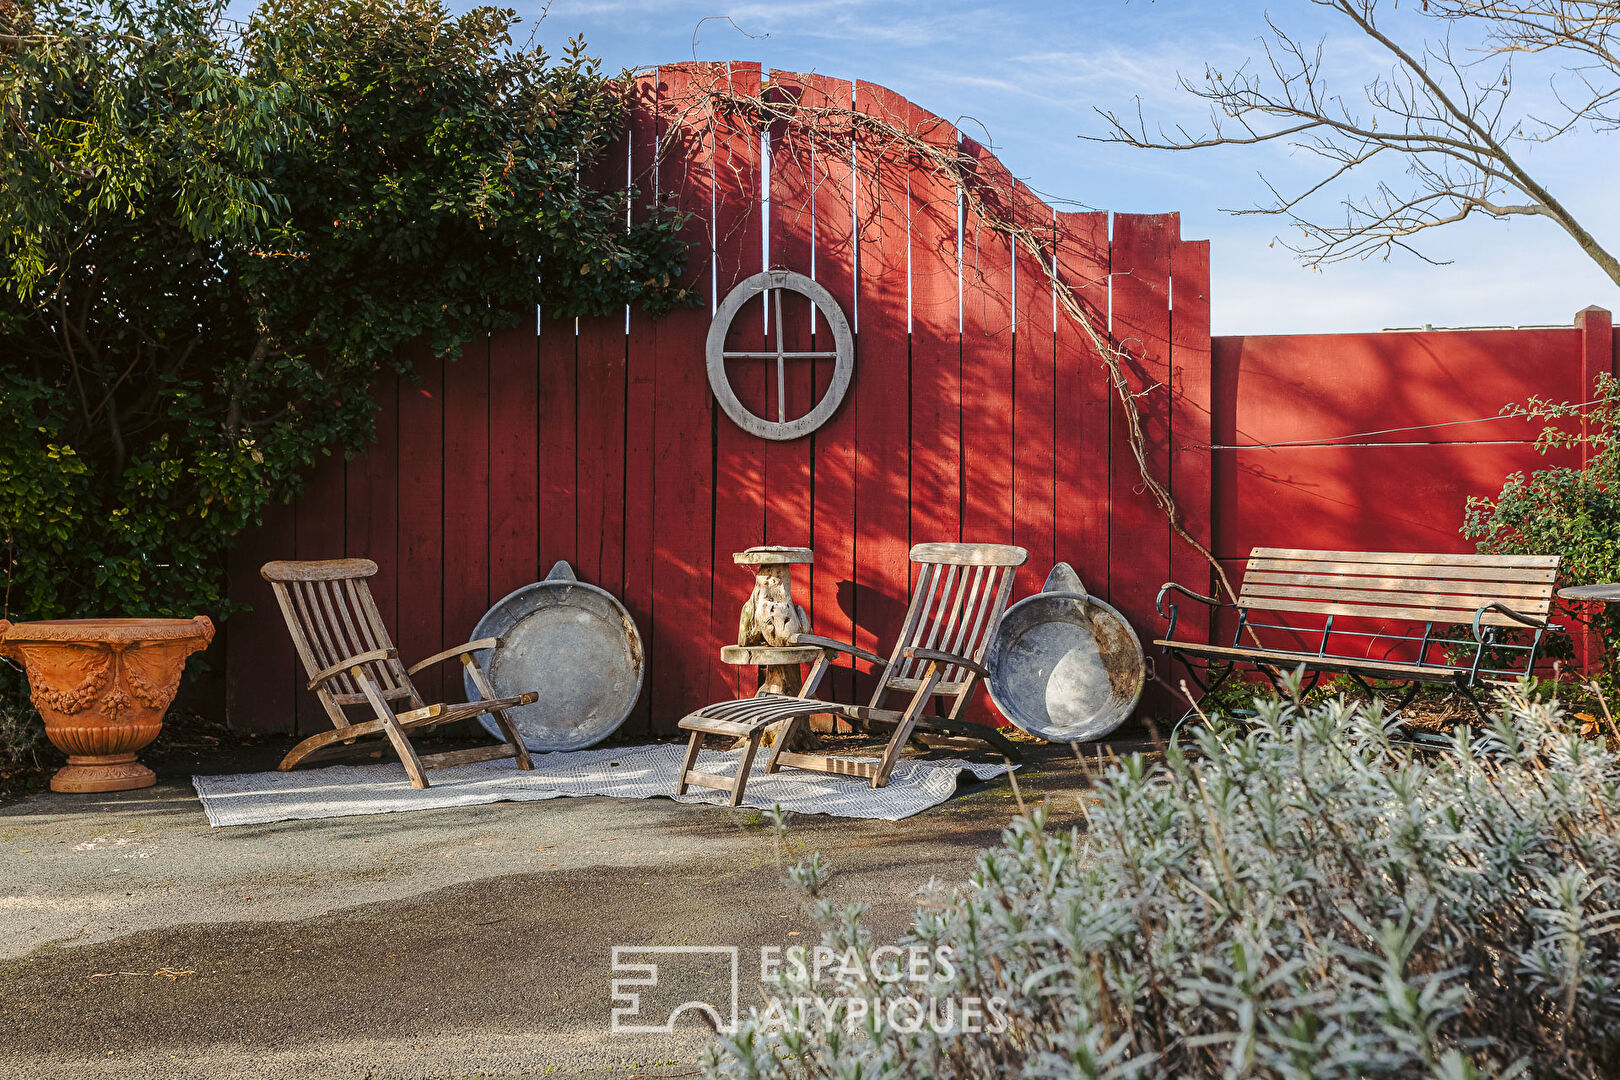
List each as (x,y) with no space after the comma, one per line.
(1539,575)
(1507,591)
(1329,592)
(1375,611)
(1285,658)
(1406,557)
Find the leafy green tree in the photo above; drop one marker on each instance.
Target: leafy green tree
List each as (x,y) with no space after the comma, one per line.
(214,236)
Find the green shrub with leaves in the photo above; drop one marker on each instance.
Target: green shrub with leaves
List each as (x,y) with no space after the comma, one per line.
(214,237)
(1297,897)
(1569,511)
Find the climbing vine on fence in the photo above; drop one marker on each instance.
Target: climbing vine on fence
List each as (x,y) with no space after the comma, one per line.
(831,128)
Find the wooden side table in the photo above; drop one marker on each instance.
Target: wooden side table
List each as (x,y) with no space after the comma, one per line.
(780,666)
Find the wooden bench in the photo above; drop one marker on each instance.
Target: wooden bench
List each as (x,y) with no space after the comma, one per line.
(1384,597)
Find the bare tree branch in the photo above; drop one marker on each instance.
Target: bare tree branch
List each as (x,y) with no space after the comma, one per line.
(1450,120)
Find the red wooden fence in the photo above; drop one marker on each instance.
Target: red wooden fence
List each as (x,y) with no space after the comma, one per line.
(976,413)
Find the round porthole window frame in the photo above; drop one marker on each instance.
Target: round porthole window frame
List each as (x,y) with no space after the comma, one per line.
(842,354)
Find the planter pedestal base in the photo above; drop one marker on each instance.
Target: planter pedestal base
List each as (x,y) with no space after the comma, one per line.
(102,772)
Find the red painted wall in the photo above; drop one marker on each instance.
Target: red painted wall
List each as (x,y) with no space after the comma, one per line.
(973,415)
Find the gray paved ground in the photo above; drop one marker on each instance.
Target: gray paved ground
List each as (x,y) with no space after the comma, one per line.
(442,943)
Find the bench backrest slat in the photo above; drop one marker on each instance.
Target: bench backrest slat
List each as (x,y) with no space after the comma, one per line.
(1407,558)
(1421,587)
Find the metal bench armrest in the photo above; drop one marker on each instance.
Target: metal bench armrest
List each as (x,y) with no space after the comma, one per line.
(1503,609)
(937,656)
(348,662)
(832,645)
(439,658)
(1170,587)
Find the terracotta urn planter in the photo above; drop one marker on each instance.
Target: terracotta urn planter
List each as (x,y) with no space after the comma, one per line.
(102,686)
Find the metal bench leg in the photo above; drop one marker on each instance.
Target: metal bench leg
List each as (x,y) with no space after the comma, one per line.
(1468,692)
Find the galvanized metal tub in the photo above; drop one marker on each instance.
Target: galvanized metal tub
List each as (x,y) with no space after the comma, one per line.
(1065,666)
(574,644)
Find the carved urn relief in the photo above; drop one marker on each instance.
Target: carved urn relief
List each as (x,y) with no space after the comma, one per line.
(102,687)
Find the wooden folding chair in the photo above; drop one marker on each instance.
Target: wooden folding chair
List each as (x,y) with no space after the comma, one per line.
(961,591)
(350,660)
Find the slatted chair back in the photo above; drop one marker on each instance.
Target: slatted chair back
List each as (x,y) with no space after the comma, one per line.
(1428,588)
(960,593)
(332,616)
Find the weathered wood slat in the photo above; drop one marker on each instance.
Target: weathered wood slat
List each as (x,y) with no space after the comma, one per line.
(1404,599)
(1034,521)
(466,499)
(1084,400)
(883,435)
(641,408)
(739,457)
(1449,573)
(832,183)
(1289,659)
(1406,557)
(684,649)
(1191,417)
(789,466)
(1140,537)
(419,563)
(936,344)
(968,554)
(1413,583)
(1373,611)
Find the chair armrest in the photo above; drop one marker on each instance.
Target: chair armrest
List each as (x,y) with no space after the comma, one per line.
(356,660)
(833,645)
(1170,587)
(947,658)
(1503,609)
(439,658)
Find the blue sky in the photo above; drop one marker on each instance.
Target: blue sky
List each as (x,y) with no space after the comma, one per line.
(1030,75)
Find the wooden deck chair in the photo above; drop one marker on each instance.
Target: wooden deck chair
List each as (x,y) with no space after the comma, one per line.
(961,591)
(350,660)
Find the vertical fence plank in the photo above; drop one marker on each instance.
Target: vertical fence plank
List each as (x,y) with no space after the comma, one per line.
(683,566)
(987,354)
(556,449)
(599,542)
(739,462)
(1084,400)
(372,506)
(261,669)
(514,521)
(601,398)
(1190,476)
(1139,540)
(882,378)
(832,579)
(318,534)
(641,412)
(1034,393)
(466,502)
(788,464)
(936,342)
(420,556)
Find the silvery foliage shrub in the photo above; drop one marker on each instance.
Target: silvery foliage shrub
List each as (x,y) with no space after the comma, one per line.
(1298,896)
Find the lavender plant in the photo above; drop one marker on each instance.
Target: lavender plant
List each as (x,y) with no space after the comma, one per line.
(1301,896)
